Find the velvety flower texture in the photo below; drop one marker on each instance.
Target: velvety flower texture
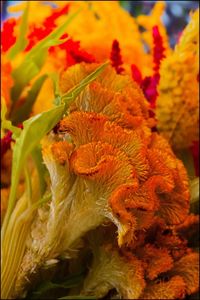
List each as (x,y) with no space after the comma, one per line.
(178,100)
(135,181)
(116,187)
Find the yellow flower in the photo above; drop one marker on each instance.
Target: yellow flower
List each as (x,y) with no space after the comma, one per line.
(177,104)
(151,20)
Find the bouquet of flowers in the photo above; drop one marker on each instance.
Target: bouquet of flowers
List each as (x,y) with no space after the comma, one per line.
(99,148)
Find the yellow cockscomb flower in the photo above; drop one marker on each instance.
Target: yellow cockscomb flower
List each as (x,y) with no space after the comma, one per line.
(177,104)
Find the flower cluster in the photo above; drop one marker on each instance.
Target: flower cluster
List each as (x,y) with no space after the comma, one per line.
(92,168)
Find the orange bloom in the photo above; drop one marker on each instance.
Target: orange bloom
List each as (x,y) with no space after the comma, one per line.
(105,165)
(111,140)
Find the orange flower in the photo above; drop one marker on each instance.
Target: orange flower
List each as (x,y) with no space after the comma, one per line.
(156,272)
(111,140)
(105,164)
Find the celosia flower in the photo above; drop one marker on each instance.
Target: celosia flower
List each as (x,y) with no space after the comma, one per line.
(116,57)
(158,262)
(115,169)
(104,164)
(148,22)
(98,40)
(112,268)
(7,35)
(177,105)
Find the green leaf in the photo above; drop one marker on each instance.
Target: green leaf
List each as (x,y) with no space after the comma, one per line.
(24,111)
(41,169)
(34,129)
(21,42)
(57,94)
(28,183)
(68,97)
(6,124)
(35,59)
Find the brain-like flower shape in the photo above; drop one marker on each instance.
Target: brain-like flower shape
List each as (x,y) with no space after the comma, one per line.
(105,165)
(121,161)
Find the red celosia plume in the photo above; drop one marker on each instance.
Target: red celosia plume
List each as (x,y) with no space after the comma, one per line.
(37,33)
(7,34)
(74,54)
(136,74)
(116,58)
(158,50)
(149,84)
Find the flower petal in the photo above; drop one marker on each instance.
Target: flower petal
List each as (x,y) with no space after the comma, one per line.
(173,289)
(188,268)
(157,260)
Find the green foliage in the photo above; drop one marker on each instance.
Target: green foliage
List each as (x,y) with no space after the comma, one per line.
(21,42)
(6,124)
(23,112)
(41,169)
(34,129)
(68,97)
(55,79)
(35,59)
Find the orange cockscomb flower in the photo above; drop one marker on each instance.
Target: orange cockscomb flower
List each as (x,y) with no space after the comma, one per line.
(104,155)
(93,181)
(158,273)
(160,180)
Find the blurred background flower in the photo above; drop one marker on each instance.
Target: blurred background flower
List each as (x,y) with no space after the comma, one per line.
(175,17)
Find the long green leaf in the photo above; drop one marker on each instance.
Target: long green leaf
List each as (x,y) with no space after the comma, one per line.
(24,111)
(6,124)
(41,169)
(57,93)
(34,130)
(68,97)
(21,41)
(35,59)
